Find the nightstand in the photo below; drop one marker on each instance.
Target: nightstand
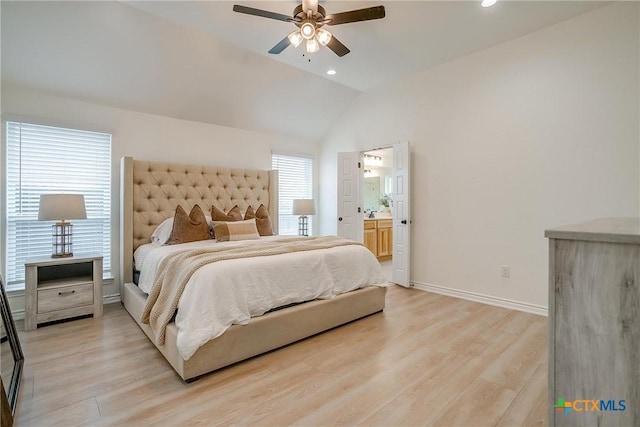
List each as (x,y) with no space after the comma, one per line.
(62,288)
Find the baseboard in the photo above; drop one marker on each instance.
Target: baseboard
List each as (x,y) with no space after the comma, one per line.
(483,299)
(18,314)
(110,299)
(106,299)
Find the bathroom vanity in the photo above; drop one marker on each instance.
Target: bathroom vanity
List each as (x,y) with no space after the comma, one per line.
(378,237)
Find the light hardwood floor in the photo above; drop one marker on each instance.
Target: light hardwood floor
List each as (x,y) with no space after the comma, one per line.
(427,360)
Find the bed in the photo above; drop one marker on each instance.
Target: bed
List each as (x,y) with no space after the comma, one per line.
(150,193)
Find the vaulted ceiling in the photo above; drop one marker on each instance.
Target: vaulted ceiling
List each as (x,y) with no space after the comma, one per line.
(201,61)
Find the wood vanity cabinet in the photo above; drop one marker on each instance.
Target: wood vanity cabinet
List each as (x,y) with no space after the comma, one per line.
(385,238)
(371,236)
(378,237)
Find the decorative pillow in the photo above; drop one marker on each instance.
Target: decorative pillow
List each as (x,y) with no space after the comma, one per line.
(263,220)
(162,233)
(233,215)
(230,231)
(189,228)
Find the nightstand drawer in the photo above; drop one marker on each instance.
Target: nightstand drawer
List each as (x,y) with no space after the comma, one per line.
(61,298)
(62,288)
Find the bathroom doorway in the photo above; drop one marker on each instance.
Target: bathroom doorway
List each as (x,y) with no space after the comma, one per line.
(374,203)
(378,202)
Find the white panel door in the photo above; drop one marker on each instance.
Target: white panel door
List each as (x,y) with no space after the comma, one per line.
(401,214)
(349,219)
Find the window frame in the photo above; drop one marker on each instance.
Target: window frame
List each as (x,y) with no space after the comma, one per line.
(313,222)
(104,218)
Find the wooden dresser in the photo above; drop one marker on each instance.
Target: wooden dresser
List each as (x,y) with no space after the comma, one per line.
(594,323)
(378,237)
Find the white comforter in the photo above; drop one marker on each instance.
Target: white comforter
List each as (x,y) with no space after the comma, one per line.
(231,292)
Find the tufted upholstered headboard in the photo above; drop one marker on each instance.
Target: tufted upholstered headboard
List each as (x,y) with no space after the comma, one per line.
(151,191)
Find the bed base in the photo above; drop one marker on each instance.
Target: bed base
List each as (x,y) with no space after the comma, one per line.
(263,333)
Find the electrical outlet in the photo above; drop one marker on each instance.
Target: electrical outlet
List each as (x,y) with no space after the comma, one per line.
(506,271)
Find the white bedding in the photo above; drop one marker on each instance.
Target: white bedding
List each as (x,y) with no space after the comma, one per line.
(232,291)
(141,254)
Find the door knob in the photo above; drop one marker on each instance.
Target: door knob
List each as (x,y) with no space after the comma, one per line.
(340,219)
(404,221)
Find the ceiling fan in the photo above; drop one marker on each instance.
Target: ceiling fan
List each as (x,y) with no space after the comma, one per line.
(310,17)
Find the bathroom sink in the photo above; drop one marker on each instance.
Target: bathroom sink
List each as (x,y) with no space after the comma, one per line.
(383,215)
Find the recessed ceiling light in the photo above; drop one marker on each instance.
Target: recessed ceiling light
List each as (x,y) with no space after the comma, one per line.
(331,72)
(488,3)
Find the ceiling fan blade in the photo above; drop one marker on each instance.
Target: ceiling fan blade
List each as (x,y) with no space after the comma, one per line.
(367,14)
(282,45)
(311,5)
(337,47)
(262,13)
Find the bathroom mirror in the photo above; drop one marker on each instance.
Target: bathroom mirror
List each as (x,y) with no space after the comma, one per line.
(12,358)
(372,193)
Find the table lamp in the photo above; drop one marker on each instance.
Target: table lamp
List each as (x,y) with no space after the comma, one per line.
(303,207)
(60,208)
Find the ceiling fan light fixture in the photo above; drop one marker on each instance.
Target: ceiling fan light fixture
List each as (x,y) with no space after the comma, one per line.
(313,45)
(295,38)
(308,30)
(309,17)
(323,36)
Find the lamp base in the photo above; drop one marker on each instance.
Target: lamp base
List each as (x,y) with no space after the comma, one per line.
(303,228)
(64,255)
(62,239)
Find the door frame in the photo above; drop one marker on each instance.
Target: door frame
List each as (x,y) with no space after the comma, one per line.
(360,218)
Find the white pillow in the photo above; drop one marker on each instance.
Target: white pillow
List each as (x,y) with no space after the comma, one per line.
(162,232)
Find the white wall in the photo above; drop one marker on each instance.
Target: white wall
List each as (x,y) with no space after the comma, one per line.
(145,137)
(530,134)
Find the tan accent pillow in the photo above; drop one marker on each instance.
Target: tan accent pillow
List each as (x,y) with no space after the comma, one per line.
(189,228)
(230,231)
(234,214)
(263,220)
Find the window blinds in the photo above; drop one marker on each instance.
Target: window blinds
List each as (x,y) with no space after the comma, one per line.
(295,181)
(47,160)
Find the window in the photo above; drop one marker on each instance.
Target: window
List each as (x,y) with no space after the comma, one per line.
(46,160)
(295,181)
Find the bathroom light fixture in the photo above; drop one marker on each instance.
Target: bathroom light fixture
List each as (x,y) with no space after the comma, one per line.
(331,72)
(371,160)
(488,3)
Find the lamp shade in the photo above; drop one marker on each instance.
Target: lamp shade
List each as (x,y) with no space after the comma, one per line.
(55,207)
(303,207)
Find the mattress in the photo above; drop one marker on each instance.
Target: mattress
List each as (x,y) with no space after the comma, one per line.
(229,292)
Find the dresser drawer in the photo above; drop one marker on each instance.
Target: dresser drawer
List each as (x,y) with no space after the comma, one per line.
(61,298)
